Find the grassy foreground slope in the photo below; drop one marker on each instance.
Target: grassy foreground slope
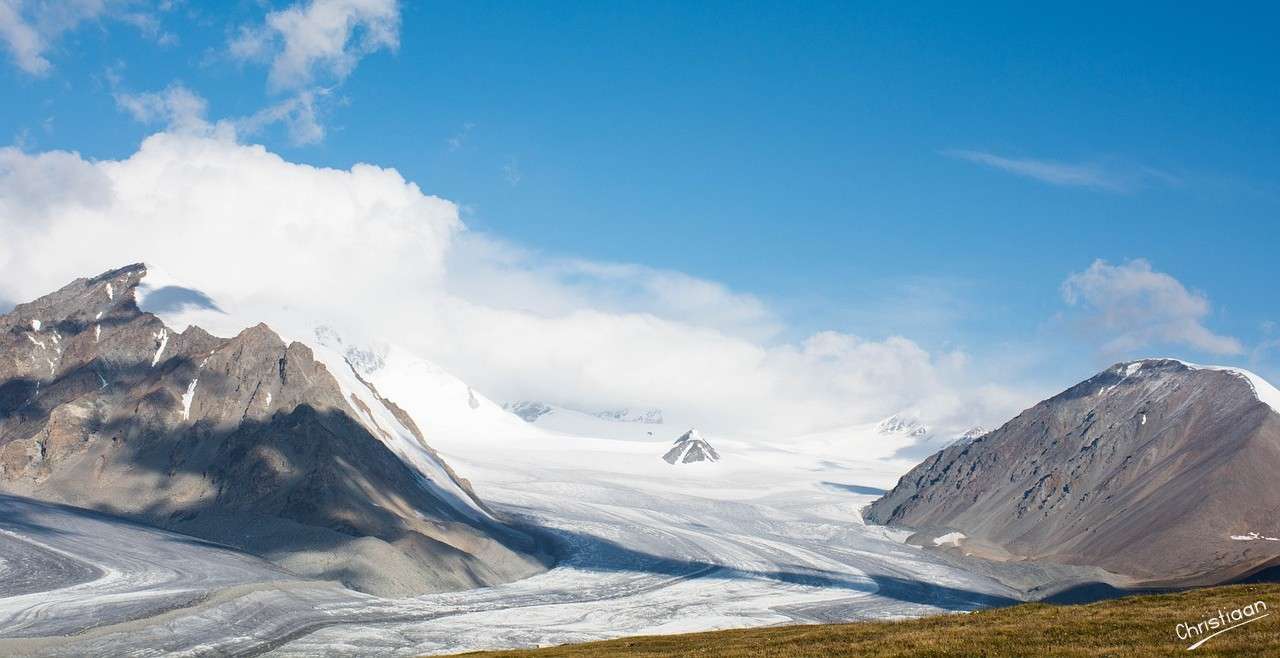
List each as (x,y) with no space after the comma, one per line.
(1130,626)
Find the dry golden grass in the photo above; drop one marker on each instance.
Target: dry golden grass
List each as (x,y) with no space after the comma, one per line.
(1131,626)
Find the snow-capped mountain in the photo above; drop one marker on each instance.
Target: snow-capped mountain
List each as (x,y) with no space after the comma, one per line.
(1151,469)
(251,441)
(691,448)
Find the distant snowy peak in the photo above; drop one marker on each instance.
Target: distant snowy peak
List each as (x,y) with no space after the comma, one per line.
(903,425)
(646,416)
(528,410)
(691,448)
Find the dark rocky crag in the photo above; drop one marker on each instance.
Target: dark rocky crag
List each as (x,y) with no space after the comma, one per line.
(1146,470)
(246,441)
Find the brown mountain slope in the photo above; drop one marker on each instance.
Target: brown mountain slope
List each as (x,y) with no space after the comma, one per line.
(246,441)
(1147,469)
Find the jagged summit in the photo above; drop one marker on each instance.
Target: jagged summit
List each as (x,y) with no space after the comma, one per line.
(1150,469)
(691,448)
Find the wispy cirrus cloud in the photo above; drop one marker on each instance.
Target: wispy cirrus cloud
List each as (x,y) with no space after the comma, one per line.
(1098,176)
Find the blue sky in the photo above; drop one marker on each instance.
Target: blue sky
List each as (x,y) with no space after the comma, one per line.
(933,171)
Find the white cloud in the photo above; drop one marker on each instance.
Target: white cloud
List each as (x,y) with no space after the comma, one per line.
(312,48)
(176,107)
(299,114)
(1133,307)
(29,29)
(1095,176)
(180,110)
(46,184)
(319,37)
(24,43)
(365,249)
(504,275)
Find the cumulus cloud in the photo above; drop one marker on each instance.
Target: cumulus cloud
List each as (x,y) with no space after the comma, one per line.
(1132,307)
(1091,175)
(367,251)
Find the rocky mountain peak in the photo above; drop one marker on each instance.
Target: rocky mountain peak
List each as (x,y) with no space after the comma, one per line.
(247,441)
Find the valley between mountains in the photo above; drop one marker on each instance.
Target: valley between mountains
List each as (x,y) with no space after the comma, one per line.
(169,491)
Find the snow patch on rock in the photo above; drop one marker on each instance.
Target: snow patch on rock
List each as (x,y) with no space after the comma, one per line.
(163,337)
(949,539)
(1253,536)
(188,398)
